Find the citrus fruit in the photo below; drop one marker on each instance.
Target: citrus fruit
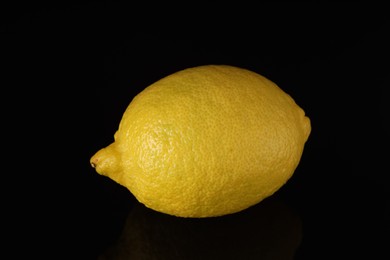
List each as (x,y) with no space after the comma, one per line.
(206,141)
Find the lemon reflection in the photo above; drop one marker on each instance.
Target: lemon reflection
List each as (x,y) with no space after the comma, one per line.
(268,230)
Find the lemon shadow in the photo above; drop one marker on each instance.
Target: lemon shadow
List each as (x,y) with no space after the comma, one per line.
(268,230)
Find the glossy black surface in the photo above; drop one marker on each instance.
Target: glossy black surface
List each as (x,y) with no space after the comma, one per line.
(70,71)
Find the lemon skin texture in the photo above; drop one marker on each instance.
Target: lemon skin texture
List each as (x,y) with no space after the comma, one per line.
(206,141)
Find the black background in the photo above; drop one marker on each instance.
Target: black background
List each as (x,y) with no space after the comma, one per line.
(70,71)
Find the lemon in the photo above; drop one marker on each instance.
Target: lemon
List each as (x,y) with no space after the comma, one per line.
(206,141)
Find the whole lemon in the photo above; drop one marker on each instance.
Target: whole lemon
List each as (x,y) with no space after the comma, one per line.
(206,141)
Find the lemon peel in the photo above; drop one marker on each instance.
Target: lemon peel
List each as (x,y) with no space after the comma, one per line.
(206,141)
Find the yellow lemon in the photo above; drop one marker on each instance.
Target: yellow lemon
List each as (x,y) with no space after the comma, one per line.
(206,141)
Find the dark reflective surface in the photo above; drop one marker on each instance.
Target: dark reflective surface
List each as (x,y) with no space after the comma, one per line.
(270,230)
(70,71)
